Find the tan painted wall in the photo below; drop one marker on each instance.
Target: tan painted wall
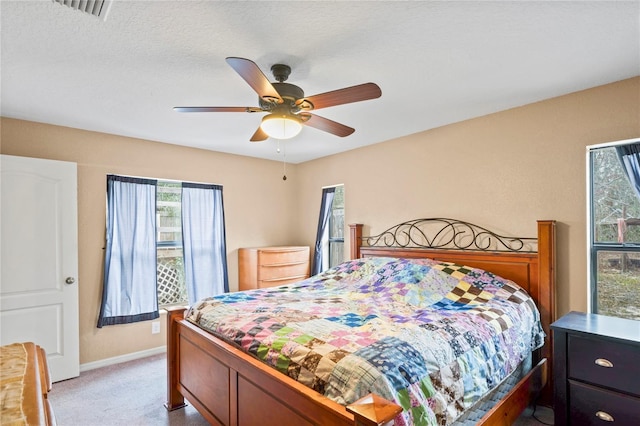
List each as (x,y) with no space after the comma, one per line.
(505,171)
(256,200)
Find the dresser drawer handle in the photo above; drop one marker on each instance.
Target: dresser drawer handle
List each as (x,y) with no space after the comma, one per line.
(604,363)
(604,416)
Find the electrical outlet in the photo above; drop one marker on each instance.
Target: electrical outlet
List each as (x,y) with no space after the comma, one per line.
(155,327)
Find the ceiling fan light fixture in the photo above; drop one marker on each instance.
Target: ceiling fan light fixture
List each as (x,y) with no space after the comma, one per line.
(281,126)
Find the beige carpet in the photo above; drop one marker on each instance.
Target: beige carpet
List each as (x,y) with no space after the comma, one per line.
(133,393)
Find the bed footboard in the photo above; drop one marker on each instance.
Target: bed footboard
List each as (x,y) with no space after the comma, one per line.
(229,387)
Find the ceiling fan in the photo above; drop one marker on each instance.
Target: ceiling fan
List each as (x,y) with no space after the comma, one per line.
(287,107)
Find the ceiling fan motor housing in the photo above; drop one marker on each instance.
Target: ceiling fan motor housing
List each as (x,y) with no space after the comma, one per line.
(289,92)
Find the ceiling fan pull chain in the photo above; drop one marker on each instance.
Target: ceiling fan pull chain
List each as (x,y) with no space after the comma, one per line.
(284,160)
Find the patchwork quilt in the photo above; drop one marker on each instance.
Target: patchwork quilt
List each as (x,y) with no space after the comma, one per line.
(433,337)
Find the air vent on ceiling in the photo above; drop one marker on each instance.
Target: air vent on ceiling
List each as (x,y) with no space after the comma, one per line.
(97,8)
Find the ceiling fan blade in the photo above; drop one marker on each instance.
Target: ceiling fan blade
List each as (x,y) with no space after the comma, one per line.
(250,72)
(361,92)
(216,109)
(326,125)
(259,136)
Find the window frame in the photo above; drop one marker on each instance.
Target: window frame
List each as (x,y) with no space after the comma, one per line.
(593,247)
(167,243)
(170,244)
(335,239)
(326,239)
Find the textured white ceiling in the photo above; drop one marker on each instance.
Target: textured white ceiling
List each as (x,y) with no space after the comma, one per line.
(436,63)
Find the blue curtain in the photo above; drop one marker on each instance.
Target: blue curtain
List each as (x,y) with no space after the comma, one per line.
(629,155)
(323,221)
(129,292)
(203,237)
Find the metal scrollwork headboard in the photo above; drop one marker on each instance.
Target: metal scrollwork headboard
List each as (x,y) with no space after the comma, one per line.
(444,233)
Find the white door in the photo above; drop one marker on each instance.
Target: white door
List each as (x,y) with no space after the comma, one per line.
(39,259)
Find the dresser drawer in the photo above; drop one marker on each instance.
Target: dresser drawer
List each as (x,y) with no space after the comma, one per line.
(590,405)
(586,357)
(283,257)
(291,270)
(279,281)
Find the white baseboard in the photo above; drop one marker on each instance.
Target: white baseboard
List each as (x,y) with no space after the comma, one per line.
(122,358)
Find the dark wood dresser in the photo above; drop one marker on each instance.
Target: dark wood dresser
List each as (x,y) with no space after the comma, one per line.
(596,370)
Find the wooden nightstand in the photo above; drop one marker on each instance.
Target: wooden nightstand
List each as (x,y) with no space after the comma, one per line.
(596,370)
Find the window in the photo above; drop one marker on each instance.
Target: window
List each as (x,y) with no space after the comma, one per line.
(199,255)
(335,246)
(170,265)
(165,245)
(329,246)
(614,229)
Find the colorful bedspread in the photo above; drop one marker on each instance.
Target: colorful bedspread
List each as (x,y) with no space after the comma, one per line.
(433,337)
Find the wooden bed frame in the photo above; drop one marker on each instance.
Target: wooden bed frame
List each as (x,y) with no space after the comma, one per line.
(230,387)
(25,386)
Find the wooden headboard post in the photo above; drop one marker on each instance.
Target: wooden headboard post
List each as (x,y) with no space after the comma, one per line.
(355,238)
(546,297)
(546,270)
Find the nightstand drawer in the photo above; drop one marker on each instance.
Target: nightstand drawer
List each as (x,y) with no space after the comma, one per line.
(614,365)
(592,406)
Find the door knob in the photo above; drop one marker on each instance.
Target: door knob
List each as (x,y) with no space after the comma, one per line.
(70,280)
